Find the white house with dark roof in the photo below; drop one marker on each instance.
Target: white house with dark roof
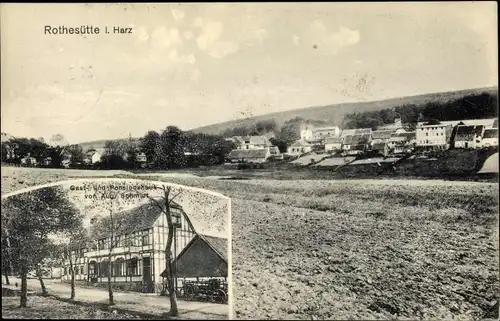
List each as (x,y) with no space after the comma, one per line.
(299,147)
(356,144)
(139,256)
(468,136)
(253,142)
(316,135)
(92,156)
(490,138)
(333,144)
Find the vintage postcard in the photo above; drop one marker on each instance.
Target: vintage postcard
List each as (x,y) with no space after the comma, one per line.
(250,160)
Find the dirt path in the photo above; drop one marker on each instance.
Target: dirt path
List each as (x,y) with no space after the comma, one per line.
(134,301)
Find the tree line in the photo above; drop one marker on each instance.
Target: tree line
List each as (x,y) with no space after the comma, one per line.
(170,148)
(473,106)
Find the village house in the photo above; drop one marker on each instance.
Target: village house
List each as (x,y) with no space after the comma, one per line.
(323,132)
(468,136)
(381,148)
(381,136)
(66,163)
(252,142)
(316,135)
(92,156)
(356,144)
(249,155)
(139,157)
(275,153)
(356,131)
(253,149)
(299,147)
(490,138)
(433,136)
(139,257)
(29,161)
(333,144)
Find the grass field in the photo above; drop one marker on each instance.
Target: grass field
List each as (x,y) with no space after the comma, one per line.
(357,249)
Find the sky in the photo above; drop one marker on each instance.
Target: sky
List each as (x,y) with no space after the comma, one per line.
(191,65)
(208,213)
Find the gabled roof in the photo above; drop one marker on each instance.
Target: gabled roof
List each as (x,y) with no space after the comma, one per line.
(138,218)
(379,146)
(347,132)
(356,139)
(333,140)
(467,132)
(407,135)
(363,131)
(257,140)
(300,143)
(248,153)
(491,133)
(382,134)
(356,131)
(358,147)
(92,151)
(398,138)
(218,244)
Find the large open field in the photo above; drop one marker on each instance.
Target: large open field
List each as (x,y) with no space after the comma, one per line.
(355,249)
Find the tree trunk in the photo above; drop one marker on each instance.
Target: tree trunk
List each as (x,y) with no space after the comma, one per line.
(40,278)
(170,286)
(9,256)
(110,289)
(72,272)
(168,249)
(24,286)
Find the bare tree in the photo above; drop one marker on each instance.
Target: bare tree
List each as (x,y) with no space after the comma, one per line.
(168,198)
(74,241)
(114,228)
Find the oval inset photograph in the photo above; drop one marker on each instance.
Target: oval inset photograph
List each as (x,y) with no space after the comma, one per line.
(116,248)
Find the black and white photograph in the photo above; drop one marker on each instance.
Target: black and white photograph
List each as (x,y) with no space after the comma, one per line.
(305,160)
(144,248)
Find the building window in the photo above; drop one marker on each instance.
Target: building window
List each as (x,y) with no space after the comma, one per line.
(132,267)
(92,268)
(146,240)
(118,267)
(104,268)
(102,244)
(426,134)
(118,241)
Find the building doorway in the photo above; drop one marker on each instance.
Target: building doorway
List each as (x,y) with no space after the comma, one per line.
(147,280)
